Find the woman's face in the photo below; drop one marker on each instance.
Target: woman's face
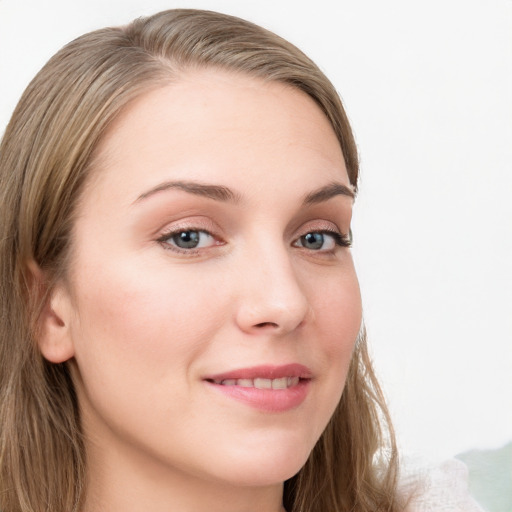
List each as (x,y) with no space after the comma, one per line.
(212,305)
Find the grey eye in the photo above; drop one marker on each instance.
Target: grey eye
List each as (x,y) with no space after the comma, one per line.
(186,239)
(189,239)
(313,241)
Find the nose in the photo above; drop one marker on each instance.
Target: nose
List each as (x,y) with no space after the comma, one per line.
(271,299)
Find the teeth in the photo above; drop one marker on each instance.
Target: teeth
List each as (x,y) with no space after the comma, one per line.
(260,383)
(293,381)
(263,383)
(280,383)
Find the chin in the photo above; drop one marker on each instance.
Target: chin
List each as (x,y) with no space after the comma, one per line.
(270,464)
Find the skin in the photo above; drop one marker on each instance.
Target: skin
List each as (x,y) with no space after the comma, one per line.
(143,323)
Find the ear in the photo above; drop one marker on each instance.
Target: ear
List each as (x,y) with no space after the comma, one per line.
(52,333)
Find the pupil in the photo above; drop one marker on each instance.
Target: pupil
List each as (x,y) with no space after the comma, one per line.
(313,240)
(186,239)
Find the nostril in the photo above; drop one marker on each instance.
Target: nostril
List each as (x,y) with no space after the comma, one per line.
(266,324)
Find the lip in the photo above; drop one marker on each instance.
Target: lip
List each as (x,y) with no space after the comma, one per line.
(265,372)
(266,400)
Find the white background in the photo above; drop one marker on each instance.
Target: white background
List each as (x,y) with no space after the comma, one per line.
(428,88)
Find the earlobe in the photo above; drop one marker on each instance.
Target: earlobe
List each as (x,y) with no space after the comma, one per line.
(52,329)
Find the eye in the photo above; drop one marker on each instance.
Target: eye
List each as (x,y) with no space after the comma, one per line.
(317,241)
(188,239)
(322,241)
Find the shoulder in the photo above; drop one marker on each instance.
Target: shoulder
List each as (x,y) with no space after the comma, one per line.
(428,487)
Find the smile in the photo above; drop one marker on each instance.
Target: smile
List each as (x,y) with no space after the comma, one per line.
(261,383)
(267,388)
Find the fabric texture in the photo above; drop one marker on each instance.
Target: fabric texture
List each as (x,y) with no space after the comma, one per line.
(441,487)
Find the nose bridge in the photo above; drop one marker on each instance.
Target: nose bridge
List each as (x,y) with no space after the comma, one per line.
(271,295)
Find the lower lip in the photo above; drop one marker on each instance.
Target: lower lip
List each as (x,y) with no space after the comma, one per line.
(268,400)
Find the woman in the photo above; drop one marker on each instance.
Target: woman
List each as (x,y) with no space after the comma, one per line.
(181,320)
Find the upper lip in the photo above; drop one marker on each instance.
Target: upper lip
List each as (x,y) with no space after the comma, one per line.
(265,372)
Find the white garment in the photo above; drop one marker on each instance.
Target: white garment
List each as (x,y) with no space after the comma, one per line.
(436,488)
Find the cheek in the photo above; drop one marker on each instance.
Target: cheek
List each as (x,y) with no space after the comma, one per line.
(137,318)
(138,337)
(338,315)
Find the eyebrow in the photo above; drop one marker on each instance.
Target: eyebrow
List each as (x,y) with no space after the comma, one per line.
(215,192)
(325,193)
(225,194)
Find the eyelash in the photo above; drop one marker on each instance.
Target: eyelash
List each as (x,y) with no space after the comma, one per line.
(339,239)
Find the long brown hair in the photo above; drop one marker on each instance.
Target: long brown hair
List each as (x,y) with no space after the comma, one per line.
(45,157)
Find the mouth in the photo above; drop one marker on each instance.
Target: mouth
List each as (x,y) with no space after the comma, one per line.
(266,388)
(259,383)
(263,376)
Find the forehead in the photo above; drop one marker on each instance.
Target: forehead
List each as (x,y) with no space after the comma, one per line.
(211,123)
